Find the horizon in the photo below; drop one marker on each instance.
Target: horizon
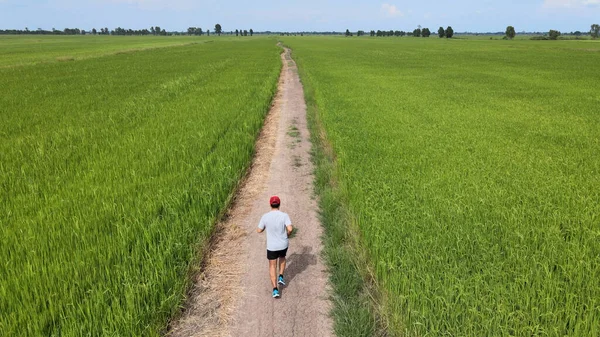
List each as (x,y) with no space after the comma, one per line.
(465,16)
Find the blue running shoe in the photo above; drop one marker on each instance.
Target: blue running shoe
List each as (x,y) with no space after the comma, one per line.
(275,293)
(281,280)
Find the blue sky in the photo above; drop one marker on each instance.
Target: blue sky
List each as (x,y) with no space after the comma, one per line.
(306,15)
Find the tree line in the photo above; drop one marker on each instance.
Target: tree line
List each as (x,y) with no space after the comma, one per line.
(418,32)
(554,34)
(510,32)
(76,31)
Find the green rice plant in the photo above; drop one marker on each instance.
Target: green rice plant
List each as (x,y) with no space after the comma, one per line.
(113,171)
(34,49)
(467,172)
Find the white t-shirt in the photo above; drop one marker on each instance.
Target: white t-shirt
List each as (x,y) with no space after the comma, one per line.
(275,222)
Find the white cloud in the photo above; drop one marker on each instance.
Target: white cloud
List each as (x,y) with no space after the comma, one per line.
(156,4)
(570,3)
(391,11)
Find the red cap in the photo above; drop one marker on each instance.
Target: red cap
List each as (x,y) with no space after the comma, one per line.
(274,200)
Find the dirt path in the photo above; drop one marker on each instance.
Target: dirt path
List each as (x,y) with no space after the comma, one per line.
(233,295)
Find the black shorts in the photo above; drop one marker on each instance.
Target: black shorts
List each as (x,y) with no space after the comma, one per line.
(273,255)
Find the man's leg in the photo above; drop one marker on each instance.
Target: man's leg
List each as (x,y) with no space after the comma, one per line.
(281,265)
(273,272)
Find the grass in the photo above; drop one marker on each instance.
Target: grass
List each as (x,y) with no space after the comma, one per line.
(113,170)
(467,173)
(19,50)
(354,310)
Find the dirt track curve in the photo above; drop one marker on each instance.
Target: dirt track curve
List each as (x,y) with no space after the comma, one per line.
(232,297)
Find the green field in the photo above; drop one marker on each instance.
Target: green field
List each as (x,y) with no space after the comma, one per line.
(469,173)
(31,49)
(113,169)
(458,179)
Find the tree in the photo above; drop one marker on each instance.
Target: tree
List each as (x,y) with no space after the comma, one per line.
(595,30)
(245,32)
(449,32)
(441,33)
(417,32)
(510,32)
(218,29)
(347,32)
(251,32)
(94,31)
(208,32)
(425,32)
(553,34)
(237,32)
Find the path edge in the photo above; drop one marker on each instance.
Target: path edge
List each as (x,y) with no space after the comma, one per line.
(358,305)
(220,232)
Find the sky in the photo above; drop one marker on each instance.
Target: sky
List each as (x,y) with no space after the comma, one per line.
(305,15)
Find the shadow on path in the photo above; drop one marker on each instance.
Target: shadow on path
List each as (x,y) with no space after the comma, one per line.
(298,262)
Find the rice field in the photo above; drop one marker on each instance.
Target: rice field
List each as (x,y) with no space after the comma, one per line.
(469,171)
(113,170)
(35,49)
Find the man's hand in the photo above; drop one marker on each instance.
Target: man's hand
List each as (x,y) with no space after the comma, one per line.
(289,229)
(260,230)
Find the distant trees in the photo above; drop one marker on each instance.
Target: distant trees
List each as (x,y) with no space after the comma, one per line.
(595,30)
(553,34)
(208,32)
(153,30)
(103,31)
(239,32)
(425,32)
(348,33)
(360,33)
(417,32)
(194,31)
(510,32)
(449,32)
(69,31)
(384,33)
(441,33)
(218,29)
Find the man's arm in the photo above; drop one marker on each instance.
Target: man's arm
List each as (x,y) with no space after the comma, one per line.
(261,226)
(289,229)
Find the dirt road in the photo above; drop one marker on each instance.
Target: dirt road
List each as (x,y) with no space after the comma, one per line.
(232,297)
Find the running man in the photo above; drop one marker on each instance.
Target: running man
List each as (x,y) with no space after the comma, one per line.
(279,227)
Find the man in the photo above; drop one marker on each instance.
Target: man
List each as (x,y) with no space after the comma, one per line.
(279,227)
